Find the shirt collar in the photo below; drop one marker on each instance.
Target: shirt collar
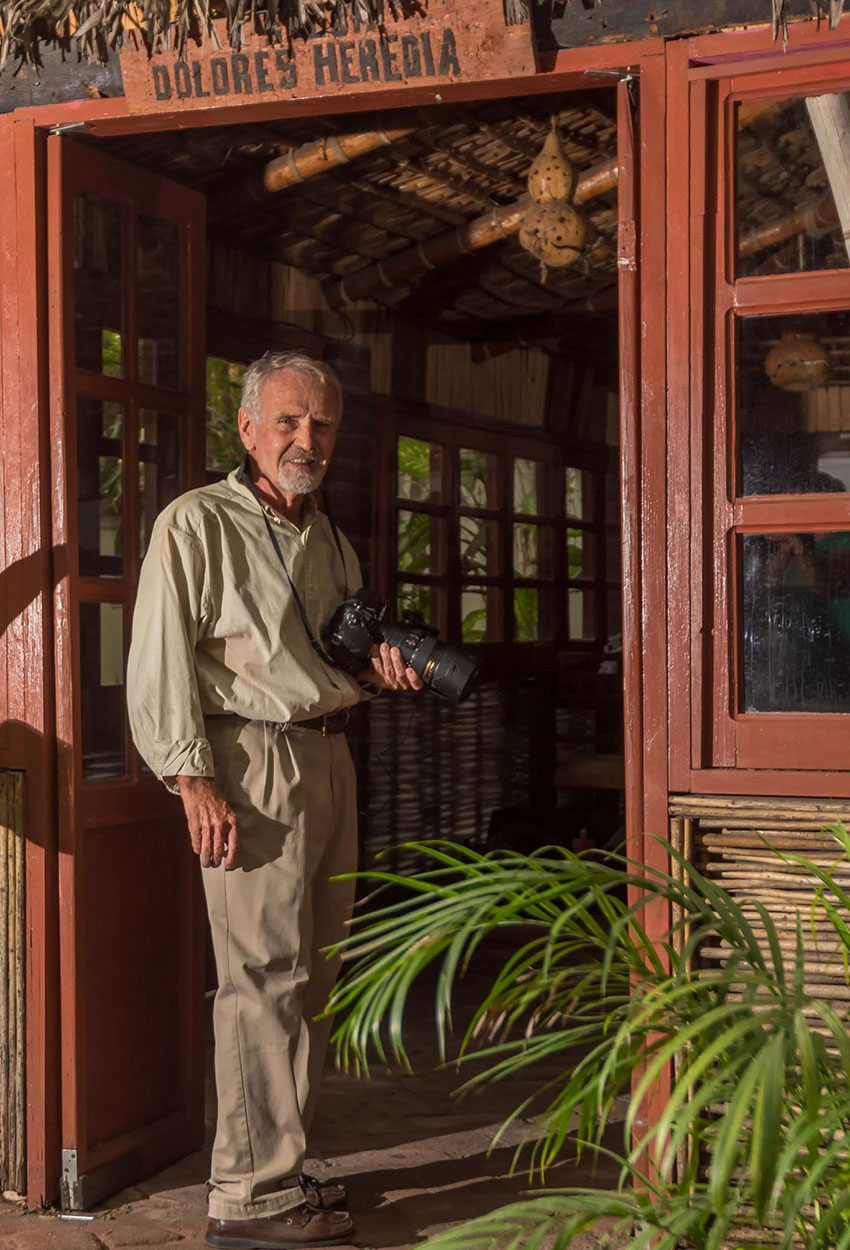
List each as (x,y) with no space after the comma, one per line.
(240,479)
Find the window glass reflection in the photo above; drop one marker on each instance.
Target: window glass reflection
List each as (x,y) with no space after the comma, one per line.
(473,614)
(787,166)
(102,690)
(796,621)
(414,542)
(581,612)
(100,487)
(479,546)
(579,494)
(418,469)
(793,401)
(526,562)
(478,479)
(98,251)
(413,598)
(526,486)
(159,467)
(580,562)
(526,614)
(158,294)
(224,392)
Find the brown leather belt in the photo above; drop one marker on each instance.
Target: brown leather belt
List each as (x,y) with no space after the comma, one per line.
(333,724)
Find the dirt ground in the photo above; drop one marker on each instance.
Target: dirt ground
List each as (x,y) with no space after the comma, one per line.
(415,1160)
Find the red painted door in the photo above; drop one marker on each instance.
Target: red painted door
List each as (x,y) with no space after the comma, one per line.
(127,258)
(782,413)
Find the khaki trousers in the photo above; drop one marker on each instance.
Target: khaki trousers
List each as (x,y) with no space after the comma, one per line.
(293,794)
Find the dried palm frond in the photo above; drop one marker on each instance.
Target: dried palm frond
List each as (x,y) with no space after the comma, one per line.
(820,9)
(94,28)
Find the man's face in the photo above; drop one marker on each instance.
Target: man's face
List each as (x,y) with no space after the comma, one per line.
(293,439)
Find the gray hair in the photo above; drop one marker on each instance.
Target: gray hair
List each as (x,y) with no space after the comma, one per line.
(255,376)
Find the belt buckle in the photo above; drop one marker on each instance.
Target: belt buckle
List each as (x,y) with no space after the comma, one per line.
(329,716)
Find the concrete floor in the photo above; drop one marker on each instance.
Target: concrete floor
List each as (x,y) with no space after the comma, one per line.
(414,1158)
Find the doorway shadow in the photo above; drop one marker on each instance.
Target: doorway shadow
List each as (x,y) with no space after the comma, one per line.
(414,1157)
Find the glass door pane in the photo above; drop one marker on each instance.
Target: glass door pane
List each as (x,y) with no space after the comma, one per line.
(100,487)
(789,155)
(793,403)
(795,627)
(98,260)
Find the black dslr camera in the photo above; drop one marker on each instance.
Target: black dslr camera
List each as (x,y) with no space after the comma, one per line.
(358,624)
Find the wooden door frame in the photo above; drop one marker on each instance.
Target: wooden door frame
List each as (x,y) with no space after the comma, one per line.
(103,1166)
(691,260)
(651,192)
(28,740)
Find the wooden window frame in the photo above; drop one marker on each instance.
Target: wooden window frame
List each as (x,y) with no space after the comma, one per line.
(456,430)
(727,738)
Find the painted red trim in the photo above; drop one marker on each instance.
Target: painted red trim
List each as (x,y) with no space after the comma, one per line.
(683,391)
(803,37)
(790,783)
(567,69)
(28,734)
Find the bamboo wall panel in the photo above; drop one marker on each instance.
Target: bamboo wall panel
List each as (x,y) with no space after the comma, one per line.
(12,957)
(408,361)
(438,771)
(726,839)
(828,409)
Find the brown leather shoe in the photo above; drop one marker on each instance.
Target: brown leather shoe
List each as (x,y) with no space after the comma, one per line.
(298,1228)
(331,1195)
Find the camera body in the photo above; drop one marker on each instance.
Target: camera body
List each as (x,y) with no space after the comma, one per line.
(358,624)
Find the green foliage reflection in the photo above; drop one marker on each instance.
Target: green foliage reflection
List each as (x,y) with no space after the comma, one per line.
(224,389)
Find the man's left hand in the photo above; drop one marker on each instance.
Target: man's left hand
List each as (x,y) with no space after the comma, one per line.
(387,671)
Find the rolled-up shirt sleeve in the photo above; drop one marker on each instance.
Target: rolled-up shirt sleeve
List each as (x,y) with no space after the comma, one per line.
(164,704)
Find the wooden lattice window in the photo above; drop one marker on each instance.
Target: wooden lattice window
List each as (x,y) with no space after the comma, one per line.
(501,537)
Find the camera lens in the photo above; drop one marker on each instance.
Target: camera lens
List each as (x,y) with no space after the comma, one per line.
(446,670)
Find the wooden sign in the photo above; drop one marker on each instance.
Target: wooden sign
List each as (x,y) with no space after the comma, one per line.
(455,41)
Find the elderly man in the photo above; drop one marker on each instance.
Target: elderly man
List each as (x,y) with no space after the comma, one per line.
(234,705)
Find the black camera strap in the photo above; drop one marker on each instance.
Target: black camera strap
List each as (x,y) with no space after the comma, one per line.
(244,477)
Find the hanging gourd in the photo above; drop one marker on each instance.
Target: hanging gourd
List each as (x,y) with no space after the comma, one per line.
(553,230)
(798,362)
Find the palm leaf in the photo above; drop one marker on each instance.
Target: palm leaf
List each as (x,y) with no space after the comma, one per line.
(761,1083)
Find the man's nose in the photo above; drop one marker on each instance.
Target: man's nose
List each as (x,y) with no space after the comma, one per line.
(306,436)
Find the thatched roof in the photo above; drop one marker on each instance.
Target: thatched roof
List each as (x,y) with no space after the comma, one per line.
(94,28)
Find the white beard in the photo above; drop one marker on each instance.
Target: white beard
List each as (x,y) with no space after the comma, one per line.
(300,479)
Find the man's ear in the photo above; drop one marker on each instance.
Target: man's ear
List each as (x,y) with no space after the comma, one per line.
(245,425)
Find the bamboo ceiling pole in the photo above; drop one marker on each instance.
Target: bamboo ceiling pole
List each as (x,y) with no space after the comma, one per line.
(813,219)
(299,164)
(441,249)
(597,180)
(401,267)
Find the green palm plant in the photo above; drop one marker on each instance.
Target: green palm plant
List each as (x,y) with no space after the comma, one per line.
(754,1131)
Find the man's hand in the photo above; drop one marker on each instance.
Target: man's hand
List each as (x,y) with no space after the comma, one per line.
(212,824)
(387,671)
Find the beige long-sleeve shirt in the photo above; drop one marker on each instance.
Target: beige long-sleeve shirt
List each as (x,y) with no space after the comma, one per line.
(217,629)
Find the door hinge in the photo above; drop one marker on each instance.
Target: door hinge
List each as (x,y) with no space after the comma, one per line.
(80,1192)
(69,1185)
(64,128)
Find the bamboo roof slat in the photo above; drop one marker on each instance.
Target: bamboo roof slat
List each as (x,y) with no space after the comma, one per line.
(445,168)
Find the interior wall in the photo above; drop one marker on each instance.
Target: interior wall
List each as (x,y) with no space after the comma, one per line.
(512,387)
